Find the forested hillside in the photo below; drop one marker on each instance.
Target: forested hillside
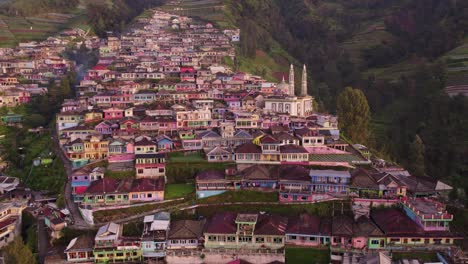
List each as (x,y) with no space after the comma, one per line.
(389,49)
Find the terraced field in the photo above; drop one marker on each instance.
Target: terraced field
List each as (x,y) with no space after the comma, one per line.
(22,29)
(210,10)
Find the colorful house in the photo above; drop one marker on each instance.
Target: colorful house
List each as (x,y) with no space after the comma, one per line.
(251,231)
(108,192)
(80,250)
(330,181)
(110,246)
(113,113)
(96,147)
(150,165)
(402,232)
(69,119)
(429,214)
(186,234)
(155,233)
(308,230)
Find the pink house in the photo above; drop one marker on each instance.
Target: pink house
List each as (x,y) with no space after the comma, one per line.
(113,113)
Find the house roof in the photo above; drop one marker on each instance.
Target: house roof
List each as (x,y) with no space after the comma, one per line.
(342,225)
(294,173)
(80,243)
(147,185)
(248,147)
(308,225)
(218,151)
(361,178)
(291,148)
(222,223)
(108,231)
(267,139)
(144,142)
(259,172)
(105,185)
(186,229)
(271,225)
(363,226)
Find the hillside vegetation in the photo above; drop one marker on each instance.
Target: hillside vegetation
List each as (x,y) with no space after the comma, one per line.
(396,51)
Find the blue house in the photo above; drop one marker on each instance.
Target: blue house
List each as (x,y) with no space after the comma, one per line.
(259,177)
(165,143)
(330,181)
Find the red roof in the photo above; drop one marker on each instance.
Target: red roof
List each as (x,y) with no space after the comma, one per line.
(99,67)
(248,148)
(148,185)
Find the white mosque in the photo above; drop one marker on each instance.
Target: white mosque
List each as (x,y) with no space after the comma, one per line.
(290,103)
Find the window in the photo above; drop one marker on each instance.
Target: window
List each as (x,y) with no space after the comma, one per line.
(149,195)
(415,240)
(285,196)
(375,242)
(135,196)
(231,239)
(292,237)
(211,238)
(119,254)
(245,239)
(259,240)
(312,238)
(277,240)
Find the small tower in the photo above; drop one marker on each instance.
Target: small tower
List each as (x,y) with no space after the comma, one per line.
(291,80)
(304,81)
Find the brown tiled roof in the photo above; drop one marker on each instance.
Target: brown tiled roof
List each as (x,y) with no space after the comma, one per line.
(222,223)
(260,172)
(271,225)
(145,142)
(309,225)
(291,148)
(365,227)
(186,229)
(267,139)
(294,173)
(107,185)
(147,185)
(342,226)
(395,222)
(361,178)
(248,148)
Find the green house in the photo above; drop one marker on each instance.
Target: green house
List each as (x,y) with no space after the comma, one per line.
(111,247)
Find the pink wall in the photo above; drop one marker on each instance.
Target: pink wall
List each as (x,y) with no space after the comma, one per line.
(359,242)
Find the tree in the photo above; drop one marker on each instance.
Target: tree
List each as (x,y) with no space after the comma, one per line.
(353,115)
(18,253)
(416,157)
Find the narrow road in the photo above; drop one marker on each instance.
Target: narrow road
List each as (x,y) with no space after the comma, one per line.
(79,223)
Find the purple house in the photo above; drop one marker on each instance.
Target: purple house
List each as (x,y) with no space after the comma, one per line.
(104,128)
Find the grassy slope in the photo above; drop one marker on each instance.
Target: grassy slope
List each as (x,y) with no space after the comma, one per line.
(15,29)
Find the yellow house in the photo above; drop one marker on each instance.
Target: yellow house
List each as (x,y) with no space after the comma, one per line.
(96,148)
(93,117)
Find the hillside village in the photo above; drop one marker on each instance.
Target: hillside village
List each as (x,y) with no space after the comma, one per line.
(163,95)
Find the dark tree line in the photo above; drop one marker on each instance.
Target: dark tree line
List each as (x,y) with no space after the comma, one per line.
(114,17)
